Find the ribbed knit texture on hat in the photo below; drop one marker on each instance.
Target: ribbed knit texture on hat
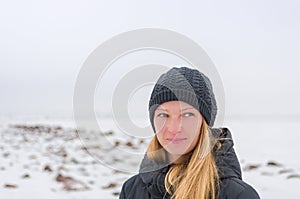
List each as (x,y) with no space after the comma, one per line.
(187,85)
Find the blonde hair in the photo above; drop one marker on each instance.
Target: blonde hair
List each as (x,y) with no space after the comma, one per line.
(196,176)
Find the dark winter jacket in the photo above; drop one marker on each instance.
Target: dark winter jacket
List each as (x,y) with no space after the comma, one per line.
(150,185)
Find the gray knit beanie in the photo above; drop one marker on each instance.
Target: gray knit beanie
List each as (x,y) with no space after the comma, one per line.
(187,85)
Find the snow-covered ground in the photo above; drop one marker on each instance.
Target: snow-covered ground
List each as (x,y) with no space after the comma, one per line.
(45,158)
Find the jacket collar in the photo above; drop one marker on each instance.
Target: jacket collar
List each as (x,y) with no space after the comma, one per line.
(226,160)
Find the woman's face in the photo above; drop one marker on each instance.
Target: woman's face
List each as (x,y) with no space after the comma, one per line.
(177,126)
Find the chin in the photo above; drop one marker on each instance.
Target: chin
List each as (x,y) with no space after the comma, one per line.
(177,151)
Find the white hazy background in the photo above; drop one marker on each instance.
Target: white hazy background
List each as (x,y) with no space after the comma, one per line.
(254,45)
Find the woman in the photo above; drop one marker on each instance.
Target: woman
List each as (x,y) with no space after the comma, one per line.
(187,158)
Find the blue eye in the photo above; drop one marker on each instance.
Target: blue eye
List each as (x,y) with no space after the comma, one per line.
(188,114)
(162,115)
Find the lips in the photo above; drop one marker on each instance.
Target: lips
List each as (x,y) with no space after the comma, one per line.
(176,140)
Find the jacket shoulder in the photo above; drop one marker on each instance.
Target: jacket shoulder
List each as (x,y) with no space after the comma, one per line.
(132,187)
(238,189)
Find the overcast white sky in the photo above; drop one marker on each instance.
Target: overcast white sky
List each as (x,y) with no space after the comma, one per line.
(254,44)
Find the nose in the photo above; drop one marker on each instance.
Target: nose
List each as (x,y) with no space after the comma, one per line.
(174,125)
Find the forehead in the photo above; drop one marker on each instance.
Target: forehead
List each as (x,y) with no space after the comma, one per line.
(173,105)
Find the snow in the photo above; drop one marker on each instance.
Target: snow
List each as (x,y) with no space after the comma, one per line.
(28,145)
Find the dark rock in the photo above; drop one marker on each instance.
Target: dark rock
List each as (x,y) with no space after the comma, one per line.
(109,186)
(272,163)
(129,144)
(116,193)
(117,143)
(293,176)
(71,184)
(109,133)
(285,171)
(25,176)
(251,167)
(48,168)
(10,186)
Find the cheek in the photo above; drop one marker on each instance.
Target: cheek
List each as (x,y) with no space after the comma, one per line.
(193,141)
(161,140)
(159,124)
(192,126)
